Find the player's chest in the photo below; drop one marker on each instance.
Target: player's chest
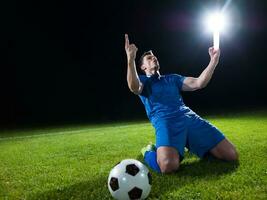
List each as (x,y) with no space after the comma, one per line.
(163,88)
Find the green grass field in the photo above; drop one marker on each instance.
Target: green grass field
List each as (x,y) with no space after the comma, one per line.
(73,162)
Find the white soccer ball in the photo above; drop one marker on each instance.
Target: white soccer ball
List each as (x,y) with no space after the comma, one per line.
(129,179)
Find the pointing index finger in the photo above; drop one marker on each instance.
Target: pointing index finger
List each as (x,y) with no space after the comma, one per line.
(126,40)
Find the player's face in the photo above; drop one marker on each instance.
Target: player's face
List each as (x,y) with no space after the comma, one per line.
(150,64)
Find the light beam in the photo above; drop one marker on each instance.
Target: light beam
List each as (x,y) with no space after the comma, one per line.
(216,23)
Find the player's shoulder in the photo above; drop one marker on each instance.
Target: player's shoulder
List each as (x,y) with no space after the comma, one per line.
(142,77)
(173,76)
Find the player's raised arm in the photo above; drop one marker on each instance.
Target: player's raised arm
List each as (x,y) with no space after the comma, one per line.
(134,83)
(192,84)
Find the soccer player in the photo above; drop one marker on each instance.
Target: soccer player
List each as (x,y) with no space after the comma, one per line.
(176,125)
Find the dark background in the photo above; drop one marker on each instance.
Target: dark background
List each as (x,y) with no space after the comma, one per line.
(64,62)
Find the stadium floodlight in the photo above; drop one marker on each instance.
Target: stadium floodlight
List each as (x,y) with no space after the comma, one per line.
(216,23)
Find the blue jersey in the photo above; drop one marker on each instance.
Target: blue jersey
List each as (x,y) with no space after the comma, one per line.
(176,125)
(161,96)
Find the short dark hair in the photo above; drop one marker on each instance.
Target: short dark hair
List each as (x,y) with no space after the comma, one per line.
(142,57)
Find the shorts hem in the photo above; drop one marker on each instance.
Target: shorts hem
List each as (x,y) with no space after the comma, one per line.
(181,154)
(211,147)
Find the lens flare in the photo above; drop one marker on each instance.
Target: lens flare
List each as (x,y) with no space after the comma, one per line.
(216,22)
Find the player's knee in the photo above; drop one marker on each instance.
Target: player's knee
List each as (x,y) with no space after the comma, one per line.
(232,155)
(168,165)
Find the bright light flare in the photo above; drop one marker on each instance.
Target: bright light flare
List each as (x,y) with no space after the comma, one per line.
(216,23)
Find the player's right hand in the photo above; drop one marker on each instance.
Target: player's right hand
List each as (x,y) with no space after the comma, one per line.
(130,49)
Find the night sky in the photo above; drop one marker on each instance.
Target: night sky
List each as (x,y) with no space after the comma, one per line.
(65,61)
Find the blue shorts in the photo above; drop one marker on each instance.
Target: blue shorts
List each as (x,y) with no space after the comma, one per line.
(188,130)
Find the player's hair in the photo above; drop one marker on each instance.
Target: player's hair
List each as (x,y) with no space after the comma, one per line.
(142,57)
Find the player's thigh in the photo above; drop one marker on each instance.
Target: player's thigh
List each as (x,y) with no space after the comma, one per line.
(225,150)
(171,137)
(202,136)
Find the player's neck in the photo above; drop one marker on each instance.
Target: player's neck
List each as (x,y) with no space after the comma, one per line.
(153,73)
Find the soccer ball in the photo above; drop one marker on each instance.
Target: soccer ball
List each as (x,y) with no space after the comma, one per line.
(129,179)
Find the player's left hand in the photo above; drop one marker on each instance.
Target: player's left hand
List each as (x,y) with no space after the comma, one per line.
(214,55)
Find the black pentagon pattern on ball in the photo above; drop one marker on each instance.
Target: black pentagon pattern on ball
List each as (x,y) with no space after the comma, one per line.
(149,178)
(132,169)
(114,183)
(135,193)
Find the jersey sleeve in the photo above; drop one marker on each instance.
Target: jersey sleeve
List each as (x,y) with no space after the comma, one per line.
(179,80)
(143,80)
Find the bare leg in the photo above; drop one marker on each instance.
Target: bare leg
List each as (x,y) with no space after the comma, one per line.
(225,150)
(168,159)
